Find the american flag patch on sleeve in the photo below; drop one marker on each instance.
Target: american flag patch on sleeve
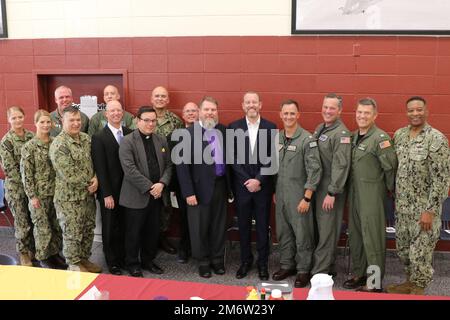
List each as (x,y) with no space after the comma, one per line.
(345,139)
(385,144)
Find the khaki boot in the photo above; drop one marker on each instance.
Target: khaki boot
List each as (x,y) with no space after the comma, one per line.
(417,290)
(91,267)
(402,288)
(77,267)
(25,260)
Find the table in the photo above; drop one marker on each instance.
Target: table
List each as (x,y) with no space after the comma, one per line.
(17,282)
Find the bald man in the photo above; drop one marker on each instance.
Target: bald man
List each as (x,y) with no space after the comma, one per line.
(99,120)
(64,99)
(190,115)
(167,122)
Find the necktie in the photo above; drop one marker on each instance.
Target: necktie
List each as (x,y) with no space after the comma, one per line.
(217,154)
(119,136)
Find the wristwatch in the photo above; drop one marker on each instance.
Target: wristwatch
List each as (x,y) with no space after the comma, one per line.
(307,199)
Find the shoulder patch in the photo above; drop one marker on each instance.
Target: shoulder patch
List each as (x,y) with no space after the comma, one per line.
(344,132)
(385,144)
(345,140)
(8,145)
(382,135)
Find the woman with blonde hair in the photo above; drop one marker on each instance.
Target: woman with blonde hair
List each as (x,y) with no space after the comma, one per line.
(38,177)
(10,148)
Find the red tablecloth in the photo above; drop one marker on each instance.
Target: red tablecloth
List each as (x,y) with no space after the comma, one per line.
(129,288)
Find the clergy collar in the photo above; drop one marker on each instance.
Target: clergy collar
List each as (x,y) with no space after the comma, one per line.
(144,136)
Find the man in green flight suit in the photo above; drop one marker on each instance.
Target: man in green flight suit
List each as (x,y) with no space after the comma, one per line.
(421,184)
(333,140)
(374,164)
(64,99)
(298,177)
(99,121)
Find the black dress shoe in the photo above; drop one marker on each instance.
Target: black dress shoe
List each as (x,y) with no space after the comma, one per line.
(59,262)
(137,273)
(166,245)
(153,268)
(263,273)
(115,270)
(218,268)
(243,270)
(283,274)
(47,264)
(204,271)
(302,280)
(355,283)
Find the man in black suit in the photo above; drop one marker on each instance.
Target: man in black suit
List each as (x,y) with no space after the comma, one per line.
(190,116)
(105,155)
(252,186)
(145,159)
(203,181)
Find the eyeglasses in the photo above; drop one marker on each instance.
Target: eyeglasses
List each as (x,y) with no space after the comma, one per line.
(147,121)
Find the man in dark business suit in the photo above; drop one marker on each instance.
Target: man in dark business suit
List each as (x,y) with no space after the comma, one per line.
(105,155)
(145,159)
(253,187)
(203,182)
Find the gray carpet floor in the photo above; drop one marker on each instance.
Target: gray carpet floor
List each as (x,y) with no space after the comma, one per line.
(188,272)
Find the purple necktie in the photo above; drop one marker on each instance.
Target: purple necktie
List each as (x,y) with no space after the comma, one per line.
(216,152)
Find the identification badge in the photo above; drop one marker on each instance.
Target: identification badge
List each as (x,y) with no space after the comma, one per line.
(362,147)
(345,140)
(313,144)
(292,148)
(323,137)
(385,144)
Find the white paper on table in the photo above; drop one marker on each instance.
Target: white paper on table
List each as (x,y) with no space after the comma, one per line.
(92,294)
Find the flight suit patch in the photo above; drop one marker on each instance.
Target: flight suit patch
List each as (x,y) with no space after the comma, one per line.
(292,148)
(323,137)
(362,147)
(385,144)
(313,144)
(345,140)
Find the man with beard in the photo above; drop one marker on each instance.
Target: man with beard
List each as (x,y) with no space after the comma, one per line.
(204,185)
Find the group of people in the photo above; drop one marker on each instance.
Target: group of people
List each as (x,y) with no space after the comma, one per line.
(133,164)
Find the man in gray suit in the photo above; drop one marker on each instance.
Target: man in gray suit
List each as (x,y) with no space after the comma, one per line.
(145,159)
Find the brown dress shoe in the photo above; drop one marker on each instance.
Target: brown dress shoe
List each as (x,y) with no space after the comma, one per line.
(355,282)
(302,280)
(283,274)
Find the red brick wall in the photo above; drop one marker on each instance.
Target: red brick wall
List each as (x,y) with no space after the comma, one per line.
(389,69)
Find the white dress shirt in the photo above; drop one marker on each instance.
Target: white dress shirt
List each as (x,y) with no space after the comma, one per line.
(253,132)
